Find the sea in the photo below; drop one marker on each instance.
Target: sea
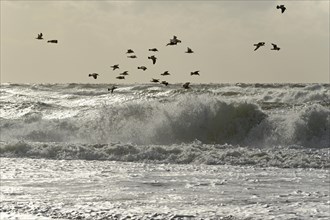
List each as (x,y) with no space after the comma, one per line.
(167,140)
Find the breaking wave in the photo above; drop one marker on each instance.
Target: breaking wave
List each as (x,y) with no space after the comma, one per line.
(208,119)
(191,153)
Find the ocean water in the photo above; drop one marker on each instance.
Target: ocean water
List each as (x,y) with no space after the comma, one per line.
(285,125)
(147,151)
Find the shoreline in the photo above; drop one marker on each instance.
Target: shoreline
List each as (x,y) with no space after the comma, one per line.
(80,189)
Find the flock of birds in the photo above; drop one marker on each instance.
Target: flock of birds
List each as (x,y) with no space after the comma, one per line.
(131,54)
(153,58)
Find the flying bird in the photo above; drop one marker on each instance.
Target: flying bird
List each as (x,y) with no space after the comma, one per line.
(142,68)
(189,50)
(39,37)
(125,73)
(94,75)
(174,41)
(186,85)
(53,41)
(130,51)
(260,44)
(154,80)
(275,47)
(164,83)
(282,7)
(112,88)
(171,43)
(153,49)
(195,73)
(153,58)
(115,67)
(120,77)
(166,73)
(132,56)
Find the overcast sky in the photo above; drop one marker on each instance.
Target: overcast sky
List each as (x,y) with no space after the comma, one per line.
(93,35)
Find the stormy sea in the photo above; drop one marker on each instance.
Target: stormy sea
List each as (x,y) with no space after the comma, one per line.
(149,151)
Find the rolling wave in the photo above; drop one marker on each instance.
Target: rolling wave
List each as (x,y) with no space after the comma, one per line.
(184,119)
(190,153)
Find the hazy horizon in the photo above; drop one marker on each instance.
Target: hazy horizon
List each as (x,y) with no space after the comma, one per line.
(94,35)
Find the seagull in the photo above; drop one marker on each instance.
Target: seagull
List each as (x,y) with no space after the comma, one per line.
(155,80)
(195,73)
(142,68)
(120,77)
(164,83)
(189,50)
(39,37)
(175,39)
(166,73)
(130,51)
(94,75)
(259,45)
(171,43)
(125,73)
(115,67)
(112,88)
(282,7)
(132,56)
(53,41)
(153,49)
(153,58)
(186,85)
(275,47)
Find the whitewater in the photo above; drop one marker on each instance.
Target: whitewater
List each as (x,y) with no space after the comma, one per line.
(148,151)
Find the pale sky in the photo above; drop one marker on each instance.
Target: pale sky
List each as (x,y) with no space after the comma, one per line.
(93,35)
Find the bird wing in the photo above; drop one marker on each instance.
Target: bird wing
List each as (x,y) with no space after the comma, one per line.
(257,46)
(283,9)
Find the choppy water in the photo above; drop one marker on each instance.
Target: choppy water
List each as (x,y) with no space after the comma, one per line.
(285,125)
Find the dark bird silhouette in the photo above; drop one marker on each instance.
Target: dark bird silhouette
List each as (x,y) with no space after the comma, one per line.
(94,75)
(166,73)
(153,49)
(154,80)
(171,43)
(189,50)
(132,56)
(120,77)
(112,88)
(39,37)
(195,73)
(164,83)
(130,51)
(275,47)
(142,68)
(175,39)
(53,41)
(125,73)
(114,67)
(153,58)
(282,7)
(260,44)
(186,85)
